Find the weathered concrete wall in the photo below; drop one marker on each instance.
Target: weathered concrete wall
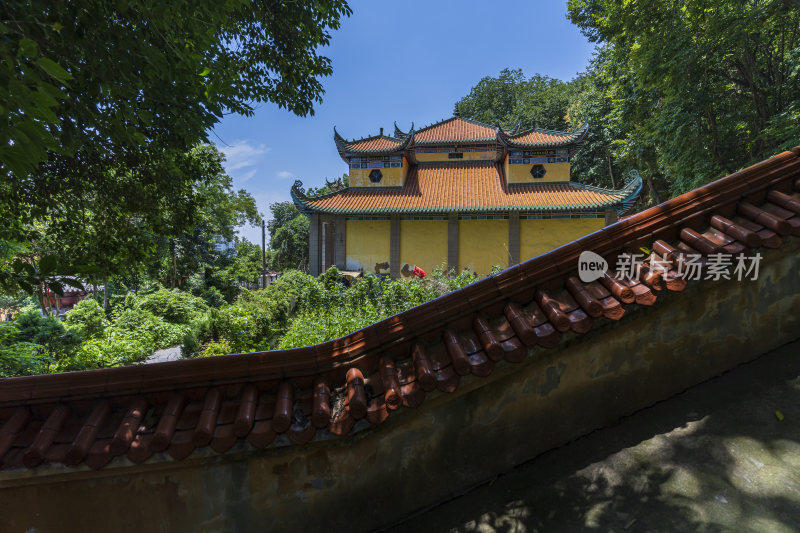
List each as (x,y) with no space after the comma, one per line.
(418,457)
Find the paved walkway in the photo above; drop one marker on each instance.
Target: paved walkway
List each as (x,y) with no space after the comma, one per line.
(167,354)
(722,456)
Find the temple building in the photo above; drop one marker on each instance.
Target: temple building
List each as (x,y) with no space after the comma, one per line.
(457,193)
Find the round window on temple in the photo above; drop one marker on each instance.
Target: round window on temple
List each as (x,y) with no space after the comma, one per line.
(538,171)
(375,176)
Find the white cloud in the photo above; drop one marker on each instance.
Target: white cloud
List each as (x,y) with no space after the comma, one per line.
(242,154)
(246,176)
(242,159)
(285,175)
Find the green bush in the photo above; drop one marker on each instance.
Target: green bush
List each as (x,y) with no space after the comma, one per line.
(20,358)
(190,347)
(341,310)
(117,348)
(87,319)
(258,319)
(48,332)
(173,306)
(309,329)
(212,296)
(214,348)
(163,333)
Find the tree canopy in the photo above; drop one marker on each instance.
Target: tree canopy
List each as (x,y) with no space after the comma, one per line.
(288,237)
(106,97)
(510,98)
(684,91)
(103,104)
(698,89)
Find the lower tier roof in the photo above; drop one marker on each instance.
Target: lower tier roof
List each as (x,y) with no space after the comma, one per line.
(467,188)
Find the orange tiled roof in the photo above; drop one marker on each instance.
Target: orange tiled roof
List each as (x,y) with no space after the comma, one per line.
(464,187)
(541,137)
(374,144)
(455,129)
(134,412)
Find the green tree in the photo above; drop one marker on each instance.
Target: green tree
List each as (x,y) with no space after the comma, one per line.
(219,210)
(511,98)
(291,244)
(282,213)
(94,141)
(73,101)
(288,231)
(698,89)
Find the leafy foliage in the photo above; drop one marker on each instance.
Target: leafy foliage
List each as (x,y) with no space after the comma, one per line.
(696,89)
(87,319)
(288,237)
(82,115)
(173,306)
(332,310)
(510,98)
(290,244)
(296,310)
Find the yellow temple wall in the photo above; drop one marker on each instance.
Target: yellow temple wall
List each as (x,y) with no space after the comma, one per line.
(422,243)
(392,177)
(367,245)
(443,156)
(482,244)
(522,173)
(539,236)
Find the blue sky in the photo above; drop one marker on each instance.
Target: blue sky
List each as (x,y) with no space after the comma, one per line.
(395,61)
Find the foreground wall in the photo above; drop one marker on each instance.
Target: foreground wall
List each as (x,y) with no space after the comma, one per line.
(417,457)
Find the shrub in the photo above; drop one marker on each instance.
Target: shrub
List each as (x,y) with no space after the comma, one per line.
(163,333)
(212,296)
(190,346)
(48,332)
(309,329)
(118,347)
(173,306)
(214,348)
(87,319)
(20,358)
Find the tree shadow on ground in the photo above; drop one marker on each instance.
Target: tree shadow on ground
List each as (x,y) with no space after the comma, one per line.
(715,458)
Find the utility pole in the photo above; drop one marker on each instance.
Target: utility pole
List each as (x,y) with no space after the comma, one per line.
(263,254)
